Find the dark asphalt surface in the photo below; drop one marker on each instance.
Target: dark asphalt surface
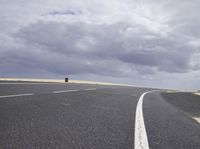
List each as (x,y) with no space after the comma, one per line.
(168,127)
(43,88)
(187,102)
(96,119)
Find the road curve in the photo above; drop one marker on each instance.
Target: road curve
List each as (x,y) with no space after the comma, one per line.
(88,116)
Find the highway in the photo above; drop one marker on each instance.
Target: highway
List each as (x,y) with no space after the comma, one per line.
(83,116)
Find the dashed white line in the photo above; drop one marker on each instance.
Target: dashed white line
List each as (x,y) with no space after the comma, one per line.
(141,140)
(90,89)
(65,91)
(19,95)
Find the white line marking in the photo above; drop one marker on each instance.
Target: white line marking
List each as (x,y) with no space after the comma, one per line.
(141,141)
(65,91)
(90,89)
(65,104)
(8,96)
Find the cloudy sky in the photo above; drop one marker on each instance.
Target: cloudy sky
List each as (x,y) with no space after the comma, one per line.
(139,42)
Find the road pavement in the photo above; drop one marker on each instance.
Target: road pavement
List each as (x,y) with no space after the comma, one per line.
(83,116)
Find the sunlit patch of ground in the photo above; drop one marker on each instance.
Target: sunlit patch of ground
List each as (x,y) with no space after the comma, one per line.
(197,119)
(172,91)
(197,93)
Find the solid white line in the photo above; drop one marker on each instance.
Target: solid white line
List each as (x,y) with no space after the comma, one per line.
(8,96)
(65,91)
(90,89)
(141,141)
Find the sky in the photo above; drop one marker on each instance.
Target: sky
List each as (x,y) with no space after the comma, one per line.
(138,42)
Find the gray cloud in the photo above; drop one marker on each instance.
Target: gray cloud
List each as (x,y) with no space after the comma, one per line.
(65,12)
(119,39)
(108,42)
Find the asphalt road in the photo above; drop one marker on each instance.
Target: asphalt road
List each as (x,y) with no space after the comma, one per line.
(83,116)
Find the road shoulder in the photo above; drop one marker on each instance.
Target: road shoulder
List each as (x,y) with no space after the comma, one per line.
(166,125)
(187,102)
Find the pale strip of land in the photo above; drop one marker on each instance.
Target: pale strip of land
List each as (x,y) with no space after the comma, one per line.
(60,81)
(31,80)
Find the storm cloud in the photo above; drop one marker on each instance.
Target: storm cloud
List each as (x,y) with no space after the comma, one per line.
(150,40)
